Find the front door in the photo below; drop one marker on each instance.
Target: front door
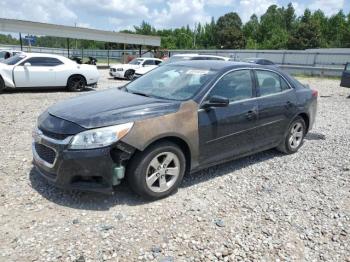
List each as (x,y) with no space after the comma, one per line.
(226,132)
(34,72)
(345,79)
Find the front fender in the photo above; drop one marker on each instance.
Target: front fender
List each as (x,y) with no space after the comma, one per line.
(6,75)
(182,124)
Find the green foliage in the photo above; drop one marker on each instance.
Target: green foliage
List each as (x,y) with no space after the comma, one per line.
(229,32)
(277,28)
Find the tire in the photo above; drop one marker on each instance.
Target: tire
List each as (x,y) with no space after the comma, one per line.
(76,83)
(151,175)
(294,138)
(2,85)
(129,74)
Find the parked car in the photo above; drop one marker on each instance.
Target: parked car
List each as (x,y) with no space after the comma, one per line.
(180,57)
(345,79)
(7,53)
(259,61)
(178,118)
(127,70)
(46,70)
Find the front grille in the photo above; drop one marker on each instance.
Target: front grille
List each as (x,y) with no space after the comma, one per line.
(45,153)
(54,135)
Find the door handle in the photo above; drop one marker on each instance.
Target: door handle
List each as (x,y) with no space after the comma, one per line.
(289,104)
(252,114)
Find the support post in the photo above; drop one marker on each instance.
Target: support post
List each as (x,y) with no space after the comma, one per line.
(68,46)
(140,50)
(108,56)
(21,41)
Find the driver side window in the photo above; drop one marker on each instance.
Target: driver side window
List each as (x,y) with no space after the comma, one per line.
(235,86)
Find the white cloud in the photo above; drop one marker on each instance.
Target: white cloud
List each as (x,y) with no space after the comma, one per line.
(41,11)
(249,7)
(329,7)
(180,13)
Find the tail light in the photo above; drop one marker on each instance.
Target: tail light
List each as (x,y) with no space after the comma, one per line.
(314,93)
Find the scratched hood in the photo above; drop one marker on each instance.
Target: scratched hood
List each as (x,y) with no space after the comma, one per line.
(110,107)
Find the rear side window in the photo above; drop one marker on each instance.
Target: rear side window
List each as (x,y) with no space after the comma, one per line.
(149,62)
(270,83)
(43,61)
(157,62)
(347,67)
(235,86)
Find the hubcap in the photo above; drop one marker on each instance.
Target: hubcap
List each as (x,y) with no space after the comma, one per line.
(296,135)
(162,172)
(77,83)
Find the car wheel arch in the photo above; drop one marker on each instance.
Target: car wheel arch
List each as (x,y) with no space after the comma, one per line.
(306,119)
(81,75)
(179,141)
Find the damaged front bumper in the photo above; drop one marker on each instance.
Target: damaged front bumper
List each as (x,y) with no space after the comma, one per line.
(97,170)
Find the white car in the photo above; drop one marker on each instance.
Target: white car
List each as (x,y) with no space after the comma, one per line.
(127,70)
(175,58)
(45,70)
(7,53)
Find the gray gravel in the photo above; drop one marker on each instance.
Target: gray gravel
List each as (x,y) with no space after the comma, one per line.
(261,208)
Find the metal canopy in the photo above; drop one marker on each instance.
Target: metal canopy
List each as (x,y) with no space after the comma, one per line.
(36,28)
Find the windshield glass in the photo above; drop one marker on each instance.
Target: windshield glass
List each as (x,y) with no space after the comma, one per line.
(172,82)
(13,60)
(135,61)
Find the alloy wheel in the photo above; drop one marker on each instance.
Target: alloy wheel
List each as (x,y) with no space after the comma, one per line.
(296,135)
(162,172)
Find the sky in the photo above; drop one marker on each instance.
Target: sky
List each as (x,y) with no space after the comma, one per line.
(124,14)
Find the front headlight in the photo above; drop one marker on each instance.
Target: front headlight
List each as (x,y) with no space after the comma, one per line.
(100,137)
(119,69)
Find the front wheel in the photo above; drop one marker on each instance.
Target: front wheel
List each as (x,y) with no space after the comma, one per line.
(2,85)
(76,83)
(294,138)
(129,74)
(158,171)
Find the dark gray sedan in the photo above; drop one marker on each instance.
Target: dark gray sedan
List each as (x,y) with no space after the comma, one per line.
(176,119)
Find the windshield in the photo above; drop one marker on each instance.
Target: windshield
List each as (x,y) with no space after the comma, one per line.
(135,61)
(13,60)
(172,82)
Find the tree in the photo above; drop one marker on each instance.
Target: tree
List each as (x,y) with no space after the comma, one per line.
(307,35)
(229,31)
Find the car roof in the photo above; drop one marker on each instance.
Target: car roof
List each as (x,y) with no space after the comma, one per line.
(199,55)
(149,58)
(42,55)
(222,65)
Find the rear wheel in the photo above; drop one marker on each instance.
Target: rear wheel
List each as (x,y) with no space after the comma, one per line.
(129,74)
(2,85)
(294,138)
(158,171)
(76,83)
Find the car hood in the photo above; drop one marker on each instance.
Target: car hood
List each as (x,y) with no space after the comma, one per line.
(110,107)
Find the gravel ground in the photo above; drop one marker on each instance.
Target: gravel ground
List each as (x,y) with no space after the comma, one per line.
(261,208)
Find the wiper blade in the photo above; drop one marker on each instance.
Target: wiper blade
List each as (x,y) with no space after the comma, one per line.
(139,93)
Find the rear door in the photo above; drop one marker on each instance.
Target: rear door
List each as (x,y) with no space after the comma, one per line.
(345,79)
(229,131)
(39,73)
(277,104)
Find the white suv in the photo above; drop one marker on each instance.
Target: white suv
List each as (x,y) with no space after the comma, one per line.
(127,70)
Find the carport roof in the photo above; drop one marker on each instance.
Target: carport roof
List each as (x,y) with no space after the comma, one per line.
(36,28)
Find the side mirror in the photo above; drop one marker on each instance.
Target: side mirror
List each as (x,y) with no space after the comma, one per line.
(27,64)
(216,101)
